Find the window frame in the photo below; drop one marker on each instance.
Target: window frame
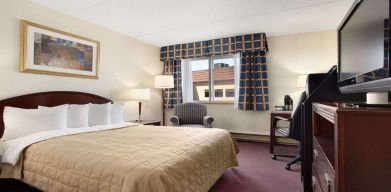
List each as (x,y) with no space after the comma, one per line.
(211,78)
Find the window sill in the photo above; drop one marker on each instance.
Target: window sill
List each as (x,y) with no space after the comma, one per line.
(216,102)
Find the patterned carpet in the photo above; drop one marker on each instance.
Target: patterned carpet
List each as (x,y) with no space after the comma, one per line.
(257,172)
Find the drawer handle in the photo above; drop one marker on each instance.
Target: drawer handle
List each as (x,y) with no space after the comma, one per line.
(327,181)
(313,182)
(315,155)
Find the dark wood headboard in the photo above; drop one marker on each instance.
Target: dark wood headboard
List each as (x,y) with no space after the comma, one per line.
(49,99)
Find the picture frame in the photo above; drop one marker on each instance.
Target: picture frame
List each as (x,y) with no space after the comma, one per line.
(48,51)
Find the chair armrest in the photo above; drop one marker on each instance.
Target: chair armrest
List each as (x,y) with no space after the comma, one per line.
(208,120)
(278,118)
(174,120)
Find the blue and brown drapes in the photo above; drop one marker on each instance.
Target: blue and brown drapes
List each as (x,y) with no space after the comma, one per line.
(173,96)
(223,46)
(251,96)
(253,90)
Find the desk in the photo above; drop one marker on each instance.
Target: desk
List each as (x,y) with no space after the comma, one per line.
(285,114)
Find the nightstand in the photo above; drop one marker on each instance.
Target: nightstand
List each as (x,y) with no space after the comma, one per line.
(148,122)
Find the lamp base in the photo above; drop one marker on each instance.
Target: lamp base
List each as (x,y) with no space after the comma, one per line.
(139,112)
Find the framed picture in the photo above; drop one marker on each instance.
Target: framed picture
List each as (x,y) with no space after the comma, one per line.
(53,52)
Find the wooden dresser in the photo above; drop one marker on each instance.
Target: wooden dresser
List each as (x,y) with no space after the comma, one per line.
(351,148)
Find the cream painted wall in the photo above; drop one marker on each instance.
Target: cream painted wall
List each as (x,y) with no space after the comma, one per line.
(289,56)
(124,61)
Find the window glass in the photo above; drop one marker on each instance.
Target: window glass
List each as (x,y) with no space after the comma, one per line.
(223,78)
(207,93)
(200,79)
(213,78)
(219,93)
(229,93)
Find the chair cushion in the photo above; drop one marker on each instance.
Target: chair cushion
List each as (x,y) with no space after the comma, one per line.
(192,125)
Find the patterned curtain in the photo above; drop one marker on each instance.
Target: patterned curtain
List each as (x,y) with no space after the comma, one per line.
(173,96)
(253,85)
(253,90)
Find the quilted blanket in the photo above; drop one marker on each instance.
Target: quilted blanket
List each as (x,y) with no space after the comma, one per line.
(138,158)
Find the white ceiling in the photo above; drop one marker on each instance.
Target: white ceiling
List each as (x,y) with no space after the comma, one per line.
(166,22)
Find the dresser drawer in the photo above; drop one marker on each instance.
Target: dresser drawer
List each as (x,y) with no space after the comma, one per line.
(323,169)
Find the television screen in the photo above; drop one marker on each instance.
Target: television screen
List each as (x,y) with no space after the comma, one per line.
(364,42)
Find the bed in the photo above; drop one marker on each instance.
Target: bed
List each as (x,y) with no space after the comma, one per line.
(117,157)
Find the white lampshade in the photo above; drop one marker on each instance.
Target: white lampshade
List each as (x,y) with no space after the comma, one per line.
(140,94)
(301,81)
(164,81)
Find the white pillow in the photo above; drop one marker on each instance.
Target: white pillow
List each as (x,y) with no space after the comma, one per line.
(99,114)
(1,147)
(77,115)
(117,113)
(22,122)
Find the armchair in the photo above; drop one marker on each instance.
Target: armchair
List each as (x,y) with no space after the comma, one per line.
(191,115)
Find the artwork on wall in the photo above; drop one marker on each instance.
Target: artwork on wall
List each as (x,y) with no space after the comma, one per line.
(53,52)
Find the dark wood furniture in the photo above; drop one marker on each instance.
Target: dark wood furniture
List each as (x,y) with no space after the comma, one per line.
(273,138)
(13,185)
(324,89)
(351,148)
(49,99)
(148,122)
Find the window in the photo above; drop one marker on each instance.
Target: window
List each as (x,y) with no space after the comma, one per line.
(219,93)
(230,93)
(206,93)
(212,79)
(200,79)
(223,77)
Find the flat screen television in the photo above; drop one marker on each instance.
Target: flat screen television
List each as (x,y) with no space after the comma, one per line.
(363,48)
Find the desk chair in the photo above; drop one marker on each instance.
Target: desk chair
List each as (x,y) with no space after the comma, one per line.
(292,130)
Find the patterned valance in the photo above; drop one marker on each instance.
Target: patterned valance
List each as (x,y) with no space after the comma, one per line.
(222,46)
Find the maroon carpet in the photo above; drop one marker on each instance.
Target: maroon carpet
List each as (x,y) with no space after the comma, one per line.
(257,172)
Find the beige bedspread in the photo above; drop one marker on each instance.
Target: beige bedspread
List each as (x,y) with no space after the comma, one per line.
(139,158)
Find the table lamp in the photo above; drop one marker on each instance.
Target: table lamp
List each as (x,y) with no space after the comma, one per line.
(140,95)
(164,82)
